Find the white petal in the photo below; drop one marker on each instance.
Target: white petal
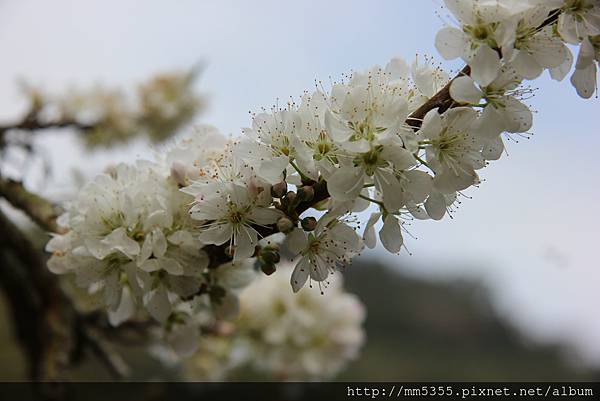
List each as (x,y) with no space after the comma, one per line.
(463,90)
(319,268)
(518,117)
(346,183)
(271,170)
(158,304)
(584,81)
(417,212)
(369,233)
(159,243)
(527,66)
(296,241)
(436,206)
(391,234)
(450,42)
(391,189)
(559,73)
(118,240)
(336,129)
(265,216)
(150,265)
(124,311)
(300,274)
(432,125)
(245,243)
(493,148)
(485,65)
(449,182)
(419,186)
(171,266)
(400,157)
(236,275)
(217,235)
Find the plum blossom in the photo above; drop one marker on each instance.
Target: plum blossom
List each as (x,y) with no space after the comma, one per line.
(129,235)
(332,243)
(453,149)
(230,212)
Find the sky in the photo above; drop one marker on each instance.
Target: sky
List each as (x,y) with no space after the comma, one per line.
(529,232)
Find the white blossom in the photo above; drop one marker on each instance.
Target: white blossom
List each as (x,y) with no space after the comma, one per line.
(299,336)
(231,212)
(129,235)
(331,244)
(453,150)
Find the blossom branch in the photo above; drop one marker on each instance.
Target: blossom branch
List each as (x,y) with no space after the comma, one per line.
(40,210)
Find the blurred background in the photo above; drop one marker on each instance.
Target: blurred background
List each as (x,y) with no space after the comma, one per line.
(508,288)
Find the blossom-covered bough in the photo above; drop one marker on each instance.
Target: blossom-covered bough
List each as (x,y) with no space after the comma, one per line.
(174,239)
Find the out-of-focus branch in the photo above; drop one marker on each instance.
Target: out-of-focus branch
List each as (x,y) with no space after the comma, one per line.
(40,210)
(33,124)
(41,315)
(49,328)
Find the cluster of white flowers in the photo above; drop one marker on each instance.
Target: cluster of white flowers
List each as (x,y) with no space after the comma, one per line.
(526,35)
(284,335)
(177,237)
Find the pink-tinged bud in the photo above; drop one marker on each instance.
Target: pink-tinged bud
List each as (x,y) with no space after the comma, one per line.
(278,190)
(306,193)
(290,197)
(309,223)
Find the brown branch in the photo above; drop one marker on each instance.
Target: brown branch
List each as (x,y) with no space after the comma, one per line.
(34,124)
(441,101)
(50,330)
(42,314)
(40,210)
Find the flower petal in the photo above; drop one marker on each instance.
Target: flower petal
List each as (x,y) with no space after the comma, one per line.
(391,234)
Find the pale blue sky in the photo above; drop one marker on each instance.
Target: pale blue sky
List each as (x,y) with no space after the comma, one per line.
(530,231)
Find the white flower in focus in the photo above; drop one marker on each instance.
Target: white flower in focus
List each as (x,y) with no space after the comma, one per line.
(503,110)
(299,336)
(475,42)
(453,149)
(428,79)
(530,49)
(316,151)
(331,244)
(269,145)
(390,234)
(230,212)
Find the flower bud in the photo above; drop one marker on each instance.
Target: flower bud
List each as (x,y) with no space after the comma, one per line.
(270,257)
(268,268)
(285,225)
(290,197)
(306,193)
(309,223)
(279,190)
